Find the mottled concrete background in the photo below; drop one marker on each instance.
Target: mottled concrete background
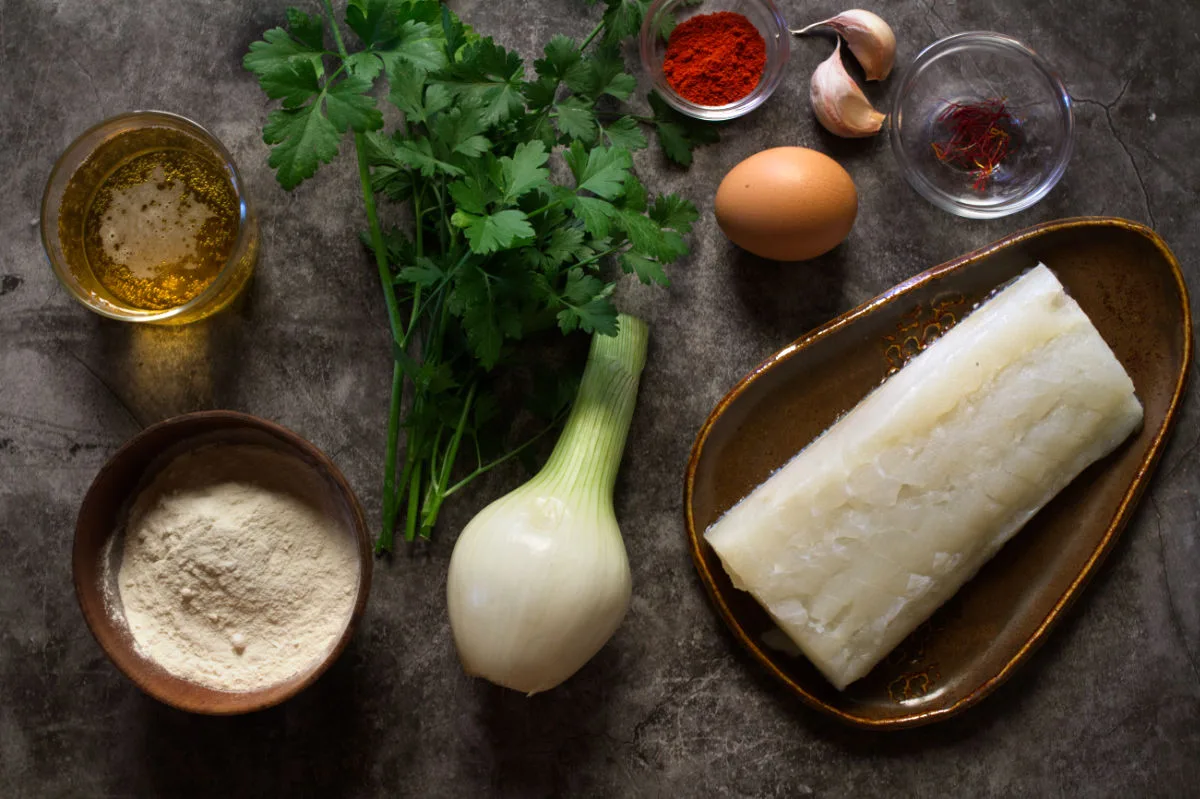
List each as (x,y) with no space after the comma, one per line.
(1110,706)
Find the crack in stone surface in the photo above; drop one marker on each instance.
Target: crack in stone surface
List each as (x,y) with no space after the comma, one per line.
(656,711)
(111,391)
(1183,459)
(930,11)
(1112,128)
(1176,621)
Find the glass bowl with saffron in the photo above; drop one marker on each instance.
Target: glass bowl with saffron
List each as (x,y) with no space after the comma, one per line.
(714,59)
(981,125)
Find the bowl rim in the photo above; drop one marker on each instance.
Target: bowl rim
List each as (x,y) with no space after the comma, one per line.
(990,40)
(713,113)
(150,677)
(165,119)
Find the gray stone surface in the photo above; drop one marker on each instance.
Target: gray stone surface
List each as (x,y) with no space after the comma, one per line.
(1110,706)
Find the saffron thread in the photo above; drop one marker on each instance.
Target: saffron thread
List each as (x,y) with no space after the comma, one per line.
(980,138)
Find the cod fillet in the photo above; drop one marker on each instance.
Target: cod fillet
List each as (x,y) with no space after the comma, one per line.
(867,530)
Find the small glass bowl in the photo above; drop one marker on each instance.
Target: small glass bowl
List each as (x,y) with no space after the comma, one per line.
(972,67)
(764,14)
(103,148)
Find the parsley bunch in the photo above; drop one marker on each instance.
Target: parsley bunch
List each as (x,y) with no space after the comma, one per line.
(498,249)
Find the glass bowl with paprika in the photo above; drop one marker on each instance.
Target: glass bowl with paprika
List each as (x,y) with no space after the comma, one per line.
(714,59)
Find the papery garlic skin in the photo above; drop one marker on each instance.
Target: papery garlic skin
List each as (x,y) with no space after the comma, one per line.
(840,106)
(870,39)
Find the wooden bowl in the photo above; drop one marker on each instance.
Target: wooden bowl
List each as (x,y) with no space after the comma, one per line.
(103,514)
(1128,282)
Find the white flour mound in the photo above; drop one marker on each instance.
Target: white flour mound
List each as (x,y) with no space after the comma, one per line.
(234,574)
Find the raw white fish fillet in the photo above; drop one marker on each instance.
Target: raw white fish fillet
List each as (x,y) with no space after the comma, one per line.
(864,533)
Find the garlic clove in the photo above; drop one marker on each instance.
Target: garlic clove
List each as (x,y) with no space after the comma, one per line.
(840,106)
(870,40)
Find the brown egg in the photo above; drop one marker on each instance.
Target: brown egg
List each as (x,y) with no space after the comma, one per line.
(787,203)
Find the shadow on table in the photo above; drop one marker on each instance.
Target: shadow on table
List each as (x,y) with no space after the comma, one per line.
(539,743)
(786,299)
(160,371)
(312,745)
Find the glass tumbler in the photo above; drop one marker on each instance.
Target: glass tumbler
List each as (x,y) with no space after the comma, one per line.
(168,218)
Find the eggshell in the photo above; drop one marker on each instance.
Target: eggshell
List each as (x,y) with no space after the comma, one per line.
(787,203)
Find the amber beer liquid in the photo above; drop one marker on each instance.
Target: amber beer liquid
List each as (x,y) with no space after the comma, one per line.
(144,220)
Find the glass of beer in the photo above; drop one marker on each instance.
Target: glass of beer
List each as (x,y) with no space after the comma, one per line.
(144,219)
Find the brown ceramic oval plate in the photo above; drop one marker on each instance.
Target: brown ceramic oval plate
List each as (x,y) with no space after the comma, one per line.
(1129,283)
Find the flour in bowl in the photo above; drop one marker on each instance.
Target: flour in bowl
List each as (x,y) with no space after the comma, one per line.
(234,572)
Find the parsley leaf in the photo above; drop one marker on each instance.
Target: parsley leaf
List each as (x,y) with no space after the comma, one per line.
(623,18)
(575,119)
(563,244)
(540,93)
(371,20)
(348,107)
(364,65)
(644,234)
(471,196)
(596,215)
(587,305)
(672,211)
(419,102)
(678,135)
(304,138)
(292,83)
(280,51)
(426,273)
(499,231)
(647,270)
(525,170)
(601,170)
(489,76)
(561,55)
(416,46)
(417,153)
(625,133)
(309,29)
(460,131)
(603,73)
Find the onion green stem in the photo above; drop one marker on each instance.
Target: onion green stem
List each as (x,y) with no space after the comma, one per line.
(588,453)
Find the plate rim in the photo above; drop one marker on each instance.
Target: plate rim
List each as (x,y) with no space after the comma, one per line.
(1116,526)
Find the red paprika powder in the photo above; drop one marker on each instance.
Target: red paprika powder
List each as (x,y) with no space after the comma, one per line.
(714,59)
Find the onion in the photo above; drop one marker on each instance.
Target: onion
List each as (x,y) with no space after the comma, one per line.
(539,580)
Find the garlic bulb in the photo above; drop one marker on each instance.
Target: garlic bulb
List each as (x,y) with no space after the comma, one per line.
(840,106)
(870,40)
(539,580)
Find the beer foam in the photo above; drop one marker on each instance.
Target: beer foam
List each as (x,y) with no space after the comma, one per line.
(153,224)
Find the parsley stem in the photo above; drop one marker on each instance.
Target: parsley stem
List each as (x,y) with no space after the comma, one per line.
(385,274)
(583,46)
(483,468)
(337,33)
(598,256)
(437,484)
(398,334)
(544,208)
(595,32)
(414,501)
(635,117)
(396,325)
(389,471)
